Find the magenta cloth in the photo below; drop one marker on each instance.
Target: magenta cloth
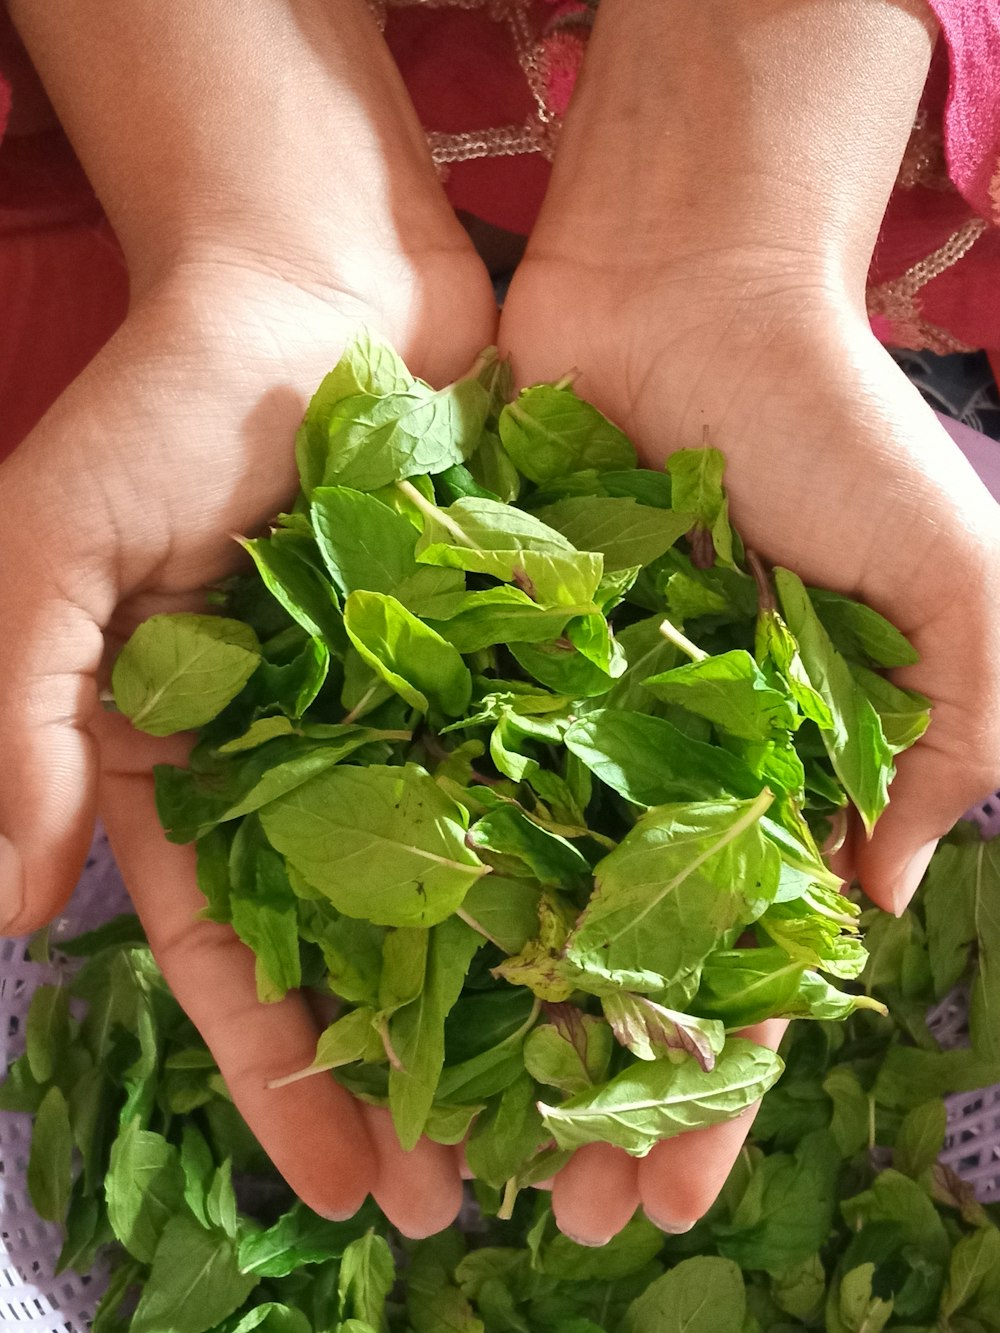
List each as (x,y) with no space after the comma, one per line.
(971,30)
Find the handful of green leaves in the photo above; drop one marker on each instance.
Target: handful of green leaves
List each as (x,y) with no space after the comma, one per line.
(512,749)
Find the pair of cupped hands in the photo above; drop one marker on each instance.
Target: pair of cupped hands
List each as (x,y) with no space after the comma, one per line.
(179,434)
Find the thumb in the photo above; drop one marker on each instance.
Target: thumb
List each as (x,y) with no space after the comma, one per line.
(950,770)
(51,651)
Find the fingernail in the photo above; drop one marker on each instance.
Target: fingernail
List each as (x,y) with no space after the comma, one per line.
(332,1216)
(11,885)
(590,1244)
(671,1228)
(910,876)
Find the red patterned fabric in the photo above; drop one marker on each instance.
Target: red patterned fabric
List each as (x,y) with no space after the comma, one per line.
(489,80)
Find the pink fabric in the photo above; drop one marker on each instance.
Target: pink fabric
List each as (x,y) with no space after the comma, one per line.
(971,30)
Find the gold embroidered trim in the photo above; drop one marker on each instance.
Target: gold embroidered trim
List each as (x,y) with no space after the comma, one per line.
(995,194)
(538,134)
(924,160)
(896,300)
(502,141)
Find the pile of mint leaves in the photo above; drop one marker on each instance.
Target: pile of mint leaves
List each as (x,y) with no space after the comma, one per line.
(508,747)
(837,1216)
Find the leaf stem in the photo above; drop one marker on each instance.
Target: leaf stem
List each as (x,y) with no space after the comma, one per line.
(434,512)
(673,635)
(765,593)
(360,706)
(299,1074)
(510,1192)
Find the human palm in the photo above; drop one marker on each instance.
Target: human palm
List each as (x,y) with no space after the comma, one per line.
(835,468)
(177,436)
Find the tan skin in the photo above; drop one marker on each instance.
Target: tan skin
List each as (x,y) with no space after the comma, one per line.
(247,279)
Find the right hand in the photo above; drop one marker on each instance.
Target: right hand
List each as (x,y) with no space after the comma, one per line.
(120,504)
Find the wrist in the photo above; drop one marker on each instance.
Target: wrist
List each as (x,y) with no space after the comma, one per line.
(280,131)
(772,126)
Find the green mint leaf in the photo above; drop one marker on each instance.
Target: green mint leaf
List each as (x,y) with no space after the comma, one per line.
(364,543)
(492,468)
(412,659)
(745,986)
(852,1308)
(299,1237)
(86,1232)
(731,691)
(561,667)
(19,1090)
(433,1303)
(367,366)
(352,950)
(920,1138)
(191,803)
(367,1274)
(974,1277)
(377,440)
(850,1124)
(287,562)
(49,1175)
(628,1254)
(383,844)
(416,1031)
(624,532)
(777,649)
(506,1134)
(697,492)
(350,1038)
(786,1211)
(504,911)
(701,1295)
(514,844)
(953,890)
(571,1052)
(800,1289)
(144,1189)
(861,633)
(502,615)
(856,743)
(263,911)
(650,1101)
(47,1032)
(177,672)
(904,714)
(272,1317)
(650,762)
(487,537)
(194,1282)
(682,875)
(809,929)
(198,1168)
(986,987)
(549,432)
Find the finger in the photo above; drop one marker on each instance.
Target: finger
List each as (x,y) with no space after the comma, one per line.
(682,1176)
(595,1193)
(419,1191)
(312,1130)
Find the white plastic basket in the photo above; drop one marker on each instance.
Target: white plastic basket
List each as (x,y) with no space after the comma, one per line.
(31,1298)
(34,1301)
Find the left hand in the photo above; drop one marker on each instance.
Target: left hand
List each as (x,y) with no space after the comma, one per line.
(837,469)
